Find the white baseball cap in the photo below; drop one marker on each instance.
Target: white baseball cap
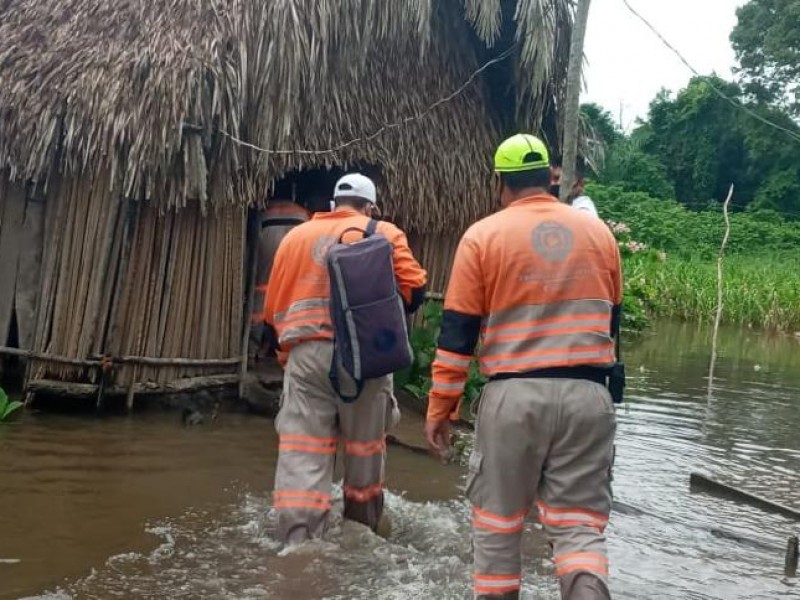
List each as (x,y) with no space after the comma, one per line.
(356,185)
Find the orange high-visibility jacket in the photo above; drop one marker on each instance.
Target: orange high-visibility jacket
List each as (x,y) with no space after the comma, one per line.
(278,218)
(298,290)
(538,284)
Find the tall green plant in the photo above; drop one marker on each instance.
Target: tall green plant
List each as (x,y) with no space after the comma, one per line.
(7,406)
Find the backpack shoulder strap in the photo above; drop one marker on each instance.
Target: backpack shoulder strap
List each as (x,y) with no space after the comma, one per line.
(372,227)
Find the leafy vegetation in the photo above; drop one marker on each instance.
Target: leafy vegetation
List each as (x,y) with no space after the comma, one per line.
(417,379)
(7,406)
(694,144)
(670,270)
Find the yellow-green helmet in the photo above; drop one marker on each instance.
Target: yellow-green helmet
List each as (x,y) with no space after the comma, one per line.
(522,152)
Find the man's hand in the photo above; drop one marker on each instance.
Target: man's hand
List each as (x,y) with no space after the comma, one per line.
(437,434)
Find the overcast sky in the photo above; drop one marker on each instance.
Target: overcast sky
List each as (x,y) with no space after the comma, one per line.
(628,64)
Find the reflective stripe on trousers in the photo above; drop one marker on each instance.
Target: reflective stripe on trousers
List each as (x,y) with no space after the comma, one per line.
(549,440)
(537,336)
(309,435)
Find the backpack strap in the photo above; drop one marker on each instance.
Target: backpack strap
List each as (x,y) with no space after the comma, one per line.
(372,227)
(333,375)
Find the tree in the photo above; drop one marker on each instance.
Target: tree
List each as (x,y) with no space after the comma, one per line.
(698,137)
(766,40)
(572,116)
(632,169)
(695,143)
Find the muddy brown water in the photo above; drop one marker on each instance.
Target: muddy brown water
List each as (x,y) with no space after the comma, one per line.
(142,507)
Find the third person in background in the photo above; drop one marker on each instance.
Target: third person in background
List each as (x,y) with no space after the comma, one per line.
(539,285)
(577,196)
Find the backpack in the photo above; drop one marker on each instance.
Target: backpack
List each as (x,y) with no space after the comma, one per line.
(370,332)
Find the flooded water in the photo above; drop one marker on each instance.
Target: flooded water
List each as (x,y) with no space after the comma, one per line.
(144,508)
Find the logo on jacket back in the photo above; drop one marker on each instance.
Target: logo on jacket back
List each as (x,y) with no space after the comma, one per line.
(320,251)
(552,241)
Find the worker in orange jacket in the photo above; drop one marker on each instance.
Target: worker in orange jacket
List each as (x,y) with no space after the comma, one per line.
(312,417)
(538,284)
(281,215)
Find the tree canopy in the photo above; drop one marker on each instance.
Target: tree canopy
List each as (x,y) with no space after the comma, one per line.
(694,144)
(766,40)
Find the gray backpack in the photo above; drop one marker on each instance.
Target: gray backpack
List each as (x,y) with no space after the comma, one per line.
(367,312)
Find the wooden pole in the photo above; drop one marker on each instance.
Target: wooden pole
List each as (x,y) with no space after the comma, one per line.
(251,254)
(573,100)
(148,361)
(790,566)
(699,482)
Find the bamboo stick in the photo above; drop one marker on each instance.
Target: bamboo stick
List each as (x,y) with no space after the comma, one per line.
(92,256)
(169,274)
(153,333)
(111,280)
(52,358)
(207,276)
(176,362)
(122,283)
(96,361)
(50,239)
(252,266)
(101,275)
(720,286)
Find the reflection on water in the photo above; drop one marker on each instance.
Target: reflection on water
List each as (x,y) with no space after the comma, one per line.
(143,508)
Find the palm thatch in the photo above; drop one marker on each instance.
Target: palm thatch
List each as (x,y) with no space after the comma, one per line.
(146,91)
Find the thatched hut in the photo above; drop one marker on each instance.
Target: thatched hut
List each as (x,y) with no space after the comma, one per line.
(136,135)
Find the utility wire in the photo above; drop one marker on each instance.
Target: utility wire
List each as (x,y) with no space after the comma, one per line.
(791,134)
(384,128)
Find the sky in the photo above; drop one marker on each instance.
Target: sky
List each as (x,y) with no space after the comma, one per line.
(627,64)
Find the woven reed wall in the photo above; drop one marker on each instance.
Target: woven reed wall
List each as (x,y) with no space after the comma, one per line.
(123,279)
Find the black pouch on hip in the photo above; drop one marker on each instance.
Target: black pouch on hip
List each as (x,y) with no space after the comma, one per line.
(616,382)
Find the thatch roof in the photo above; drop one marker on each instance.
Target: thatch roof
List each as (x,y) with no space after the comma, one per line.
(144,88)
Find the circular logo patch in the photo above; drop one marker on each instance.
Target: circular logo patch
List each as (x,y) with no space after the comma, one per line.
(553,241)
(384,341)
(320,251)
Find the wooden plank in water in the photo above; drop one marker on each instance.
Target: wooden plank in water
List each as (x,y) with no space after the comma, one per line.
(699,482)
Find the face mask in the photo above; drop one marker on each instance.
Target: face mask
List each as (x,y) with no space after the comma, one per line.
(555,190)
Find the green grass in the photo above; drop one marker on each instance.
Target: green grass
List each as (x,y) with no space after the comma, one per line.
(758,292)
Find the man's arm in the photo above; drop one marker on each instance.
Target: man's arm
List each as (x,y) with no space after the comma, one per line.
(461,325)
(411,277)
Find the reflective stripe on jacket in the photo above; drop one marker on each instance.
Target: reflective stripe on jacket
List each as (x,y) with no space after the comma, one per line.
(534,286)
(298,290)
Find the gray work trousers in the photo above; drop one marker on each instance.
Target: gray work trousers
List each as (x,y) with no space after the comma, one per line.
(549,441)
(311,421)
